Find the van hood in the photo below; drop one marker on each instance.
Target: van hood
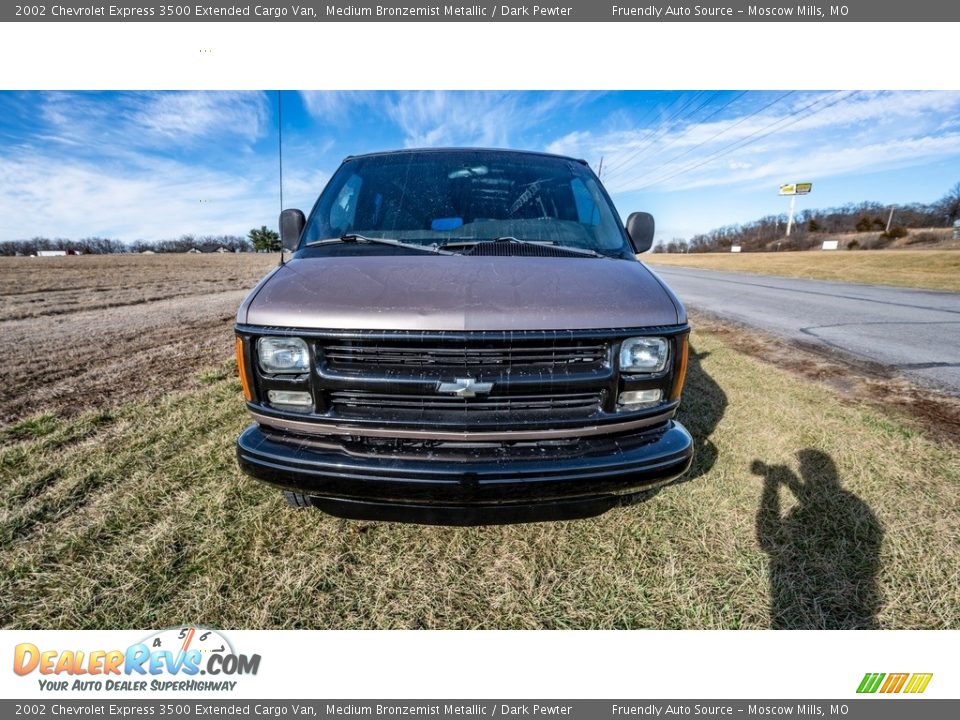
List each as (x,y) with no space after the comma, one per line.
(417,292)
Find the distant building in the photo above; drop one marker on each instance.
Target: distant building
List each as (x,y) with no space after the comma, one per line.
(194,250)
(51,253)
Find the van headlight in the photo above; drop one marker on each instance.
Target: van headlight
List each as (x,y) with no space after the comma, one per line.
(283,355)
(644,354)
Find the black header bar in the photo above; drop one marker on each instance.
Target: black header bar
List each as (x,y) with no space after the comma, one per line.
(197,706)
(545,11)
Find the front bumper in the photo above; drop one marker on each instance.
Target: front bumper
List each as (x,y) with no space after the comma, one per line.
(467,483)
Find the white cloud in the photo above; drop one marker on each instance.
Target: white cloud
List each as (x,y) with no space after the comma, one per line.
(814,134)
(832,161)
(139,165)
(164,199)
(154,119)
(452,118)
(572,143)
(301,188)
(474,118)
(335,106)
(187,115)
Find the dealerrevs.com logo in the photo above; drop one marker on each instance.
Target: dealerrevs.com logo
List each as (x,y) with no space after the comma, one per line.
(173,659)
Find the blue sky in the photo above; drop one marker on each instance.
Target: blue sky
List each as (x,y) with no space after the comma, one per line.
(151,165)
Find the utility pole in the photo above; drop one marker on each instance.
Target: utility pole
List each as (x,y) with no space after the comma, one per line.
(600,169)
(793,202)
(889,219)
(794,189)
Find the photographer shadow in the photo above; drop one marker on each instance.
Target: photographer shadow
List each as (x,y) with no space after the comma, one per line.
(824,553)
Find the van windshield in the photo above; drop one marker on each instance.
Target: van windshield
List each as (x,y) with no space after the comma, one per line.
(456,199)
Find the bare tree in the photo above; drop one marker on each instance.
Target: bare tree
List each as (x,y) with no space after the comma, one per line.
(950,204)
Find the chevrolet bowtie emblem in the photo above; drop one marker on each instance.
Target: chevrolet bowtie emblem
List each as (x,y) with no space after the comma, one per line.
(465,387)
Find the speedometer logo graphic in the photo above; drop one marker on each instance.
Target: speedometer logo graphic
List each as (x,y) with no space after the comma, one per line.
(180,640)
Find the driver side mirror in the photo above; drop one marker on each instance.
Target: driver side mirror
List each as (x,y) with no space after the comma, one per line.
(291,225)
(640,227)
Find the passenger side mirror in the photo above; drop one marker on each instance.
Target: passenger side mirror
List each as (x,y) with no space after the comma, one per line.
(640,227)
(291,225)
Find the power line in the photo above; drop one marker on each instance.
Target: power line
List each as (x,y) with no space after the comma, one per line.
(646,116)
(652,131)
(640,152)
(754,137)
(727,129)
(649,134)
(701,121)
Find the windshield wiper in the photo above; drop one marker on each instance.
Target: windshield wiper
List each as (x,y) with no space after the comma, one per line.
(363,239)
(510,239)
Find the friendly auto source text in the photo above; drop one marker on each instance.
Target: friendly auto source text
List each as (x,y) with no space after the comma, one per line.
(669,11)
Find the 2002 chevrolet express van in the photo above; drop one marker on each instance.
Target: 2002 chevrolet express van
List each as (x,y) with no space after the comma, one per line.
(463,336)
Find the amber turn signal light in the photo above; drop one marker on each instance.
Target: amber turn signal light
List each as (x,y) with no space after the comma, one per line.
(242,371)
(684,348)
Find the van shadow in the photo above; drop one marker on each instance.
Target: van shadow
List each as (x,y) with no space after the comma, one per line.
(701,410)
(824,552)
(704,403)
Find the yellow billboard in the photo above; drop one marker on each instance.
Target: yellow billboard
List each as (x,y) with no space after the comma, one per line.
(796,189)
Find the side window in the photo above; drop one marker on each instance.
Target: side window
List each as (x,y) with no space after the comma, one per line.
(344,207)
(587,211)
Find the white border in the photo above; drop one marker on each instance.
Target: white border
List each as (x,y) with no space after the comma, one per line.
(563,665)
(513,56)
(587,56)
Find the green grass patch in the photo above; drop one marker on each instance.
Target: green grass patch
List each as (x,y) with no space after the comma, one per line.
(34,427)
(209,377)
(801,510)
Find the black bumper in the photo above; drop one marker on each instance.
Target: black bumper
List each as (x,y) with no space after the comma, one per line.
(457,484)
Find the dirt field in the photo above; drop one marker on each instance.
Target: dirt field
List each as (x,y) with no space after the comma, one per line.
(94,331)
(121,504)
(933,269)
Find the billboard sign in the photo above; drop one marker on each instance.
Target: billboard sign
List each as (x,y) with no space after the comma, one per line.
(796,189)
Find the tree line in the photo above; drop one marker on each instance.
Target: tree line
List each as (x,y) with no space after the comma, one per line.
(809,227)
(259,239)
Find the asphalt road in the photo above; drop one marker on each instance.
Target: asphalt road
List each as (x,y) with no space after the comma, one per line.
(915,332)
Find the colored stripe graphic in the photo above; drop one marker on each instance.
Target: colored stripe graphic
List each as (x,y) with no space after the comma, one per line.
(918,682)
(870,683)
(894,682)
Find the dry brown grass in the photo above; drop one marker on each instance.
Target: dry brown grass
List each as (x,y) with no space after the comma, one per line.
(139,517)
(100,330)
(931,269)
(36,286)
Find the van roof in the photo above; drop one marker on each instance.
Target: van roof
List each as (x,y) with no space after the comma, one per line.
(505,151)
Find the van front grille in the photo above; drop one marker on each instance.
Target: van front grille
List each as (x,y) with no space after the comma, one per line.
(563,355)
(363,403)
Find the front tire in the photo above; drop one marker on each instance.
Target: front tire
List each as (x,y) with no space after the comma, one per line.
(296,500)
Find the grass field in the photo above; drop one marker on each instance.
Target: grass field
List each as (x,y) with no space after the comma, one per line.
(802,510)
(931,269)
